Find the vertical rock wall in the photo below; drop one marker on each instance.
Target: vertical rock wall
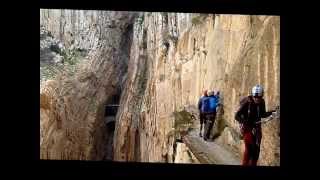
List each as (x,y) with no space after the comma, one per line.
(187,53)
(72,107)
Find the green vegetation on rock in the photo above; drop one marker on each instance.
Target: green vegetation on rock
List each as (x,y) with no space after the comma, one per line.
(198,19)
(182,123)
(70,58)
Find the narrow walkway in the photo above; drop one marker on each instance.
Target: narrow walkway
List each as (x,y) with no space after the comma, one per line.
(209,152)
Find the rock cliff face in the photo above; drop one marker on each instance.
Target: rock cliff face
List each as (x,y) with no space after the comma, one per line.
(187,53)
(160,63)
(72,106)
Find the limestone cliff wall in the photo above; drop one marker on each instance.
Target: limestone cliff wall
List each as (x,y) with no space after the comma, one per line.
(72,107)
(185,54)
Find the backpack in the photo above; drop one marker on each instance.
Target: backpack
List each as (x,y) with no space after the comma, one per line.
(239,116)
(243,116)
(209,104)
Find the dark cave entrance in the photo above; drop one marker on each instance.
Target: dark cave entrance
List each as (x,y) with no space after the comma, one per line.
(110,113)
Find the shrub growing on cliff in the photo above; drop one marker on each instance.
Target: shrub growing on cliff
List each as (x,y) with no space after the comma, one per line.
(195,20)
(182,119)
(198,19)
(140,20)
(182,124)
(70,58)
(165,17)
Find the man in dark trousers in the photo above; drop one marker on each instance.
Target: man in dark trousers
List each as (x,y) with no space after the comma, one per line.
(252,109)
(209,105)
(205,94)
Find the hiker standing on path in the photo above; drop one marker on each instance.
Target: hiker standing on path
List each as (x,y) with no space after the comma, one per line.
(252,109)
(209,105)
(201,115)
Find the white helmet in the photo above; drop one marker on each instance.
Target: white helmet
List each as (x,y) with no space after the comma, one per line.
(257,90)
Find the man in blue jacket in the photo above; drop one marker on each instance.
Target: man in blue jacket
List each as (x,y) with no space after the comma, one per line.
(205,94)
(208,108)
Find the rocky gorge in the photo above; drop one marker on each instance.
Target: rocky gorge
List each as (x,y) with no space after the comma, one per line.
(124,86)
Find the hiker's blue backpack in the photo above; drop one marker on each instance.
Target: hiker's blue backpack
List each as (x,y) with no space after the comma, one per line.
(209,104)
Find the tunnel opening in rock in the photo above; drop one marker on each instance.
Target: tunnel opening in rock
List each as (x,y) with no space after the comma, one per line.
(110,112)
